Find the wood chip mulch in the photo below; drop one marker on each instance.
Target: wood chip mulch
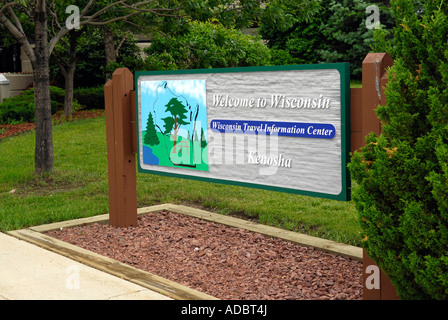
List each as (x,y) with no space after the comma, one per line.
(9,130)
(225,262)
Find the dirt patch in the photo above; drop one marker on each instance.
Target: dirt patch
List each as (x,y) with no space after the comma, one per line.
(226,262)
(52,183)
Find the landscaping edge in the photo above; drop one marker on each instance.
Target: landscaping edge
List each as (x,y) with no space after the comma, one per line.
(36,235)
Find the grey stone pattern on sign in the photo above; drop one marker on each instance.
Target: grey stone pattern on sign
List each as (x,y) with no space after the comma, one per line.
(315,163)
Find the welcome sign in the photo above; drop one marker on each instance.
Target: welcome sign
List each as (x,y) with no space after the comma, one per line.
(283,128)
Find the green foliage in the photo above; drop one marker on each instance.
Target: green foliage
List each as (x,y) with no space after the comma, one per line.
(346,35)
(20,108)
(178,110)
(203,140)
(402,174)
(91,68)
(335,33)
(383,41)
(301,40)
(151,138)
(207,45)
(246,13)
(90,98)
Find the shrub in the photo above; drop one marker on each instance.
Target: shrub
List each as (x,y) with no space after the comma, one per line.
(207,45)
(336,33)
(90,98)
(20,108)
(402,174)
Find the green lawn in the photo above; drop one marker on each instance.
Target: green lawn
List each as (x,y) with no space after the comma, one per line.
(355,84)
(79,188)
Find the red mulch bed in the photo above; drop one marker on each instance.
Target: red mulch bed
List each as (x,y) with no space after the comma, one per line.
(225,262)
(8,130)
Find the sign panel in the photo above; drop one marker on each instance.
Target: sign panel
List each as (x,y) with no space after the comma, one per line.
(283,128)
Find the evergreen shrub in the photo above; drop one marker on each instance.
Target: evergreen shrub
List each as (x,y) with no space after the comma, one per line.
(90,98)
(401,175)
(20,108)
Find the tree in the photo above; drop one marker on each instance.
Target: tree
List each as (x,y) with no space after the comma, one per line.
(38,12)
(96,13)
(66,59)
(346,36)
(178,115)
(203,140)
(151,138)
(206,45)
(337,32)
(402,174)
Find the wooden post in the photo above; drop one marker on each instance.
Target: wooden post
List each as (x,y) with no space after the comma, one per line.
(374,68)
(120,149)
(365,100)
(356,137)
(376,284)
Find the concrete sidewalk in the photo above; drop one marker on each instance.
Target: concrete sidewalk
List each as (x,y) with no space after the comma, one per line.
(28,272)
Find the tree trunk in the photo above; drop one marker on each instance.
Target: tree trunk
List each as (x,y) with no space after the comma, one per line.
(109,45)
(69,74)
(176,129)
(109,48)
(68,98)
(44,158)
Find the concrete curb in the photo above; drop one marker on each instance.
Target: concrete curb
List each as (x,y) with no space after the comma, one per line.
(35,235)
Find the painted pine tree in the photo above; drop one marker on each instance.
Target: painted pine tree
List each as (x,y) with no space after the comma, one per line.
(151,138)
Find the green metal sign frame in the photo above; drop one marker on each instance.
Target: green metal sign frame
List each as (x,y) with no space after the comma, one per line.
(344,72)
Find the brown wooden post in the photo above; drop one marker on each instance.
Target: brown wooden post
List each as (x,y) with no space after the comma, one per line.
(356,137)
(120,151)
(374,68)
(134,123)
(376,284)
(371,279)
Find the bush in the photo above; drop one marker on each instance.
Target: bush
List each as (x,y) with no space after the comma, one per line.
(20,108)
(207,45)
(301,41)
(402,174)
(90,98)
(337,33)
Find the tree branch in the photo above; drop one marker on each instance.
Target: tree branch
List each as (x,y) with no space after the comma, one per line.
(103,23)
(17,32)
(16,20)
(57,37)
(6,6)
(121,42)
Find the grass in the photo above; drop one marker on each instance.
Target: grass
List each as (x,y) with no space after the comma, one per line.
(355,84)
(79,188)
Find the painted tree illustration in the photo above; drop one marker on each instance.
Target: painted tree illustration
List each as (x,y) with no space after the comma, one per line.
(203,139)
(178,115)
(151,134)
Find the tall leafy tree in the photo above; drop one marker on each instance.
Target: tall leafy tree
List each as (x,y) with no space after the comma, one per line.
(178,113)
(206,45)
(65,56)
(38,11)
(50,28)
